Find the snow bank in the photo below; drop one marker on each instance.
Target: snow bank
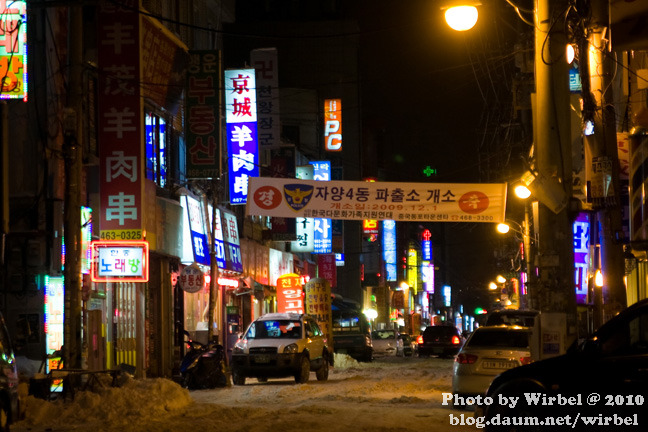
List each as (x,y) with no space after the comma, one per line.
(109,407)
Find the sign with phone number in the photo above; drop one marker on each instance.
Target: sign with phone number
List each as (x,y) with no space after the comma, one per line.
(121,235)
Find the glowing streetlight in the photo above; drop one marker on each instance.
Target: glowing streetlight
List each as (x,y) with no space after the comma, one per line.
(500,279)
(461,17)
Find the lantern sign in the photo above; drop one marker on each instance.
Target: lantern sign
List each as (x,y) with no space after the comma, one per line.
(290,297)
(191,279)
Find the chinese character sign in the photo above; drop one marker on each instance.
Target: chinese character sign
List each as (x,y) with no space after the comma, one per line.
(202,102)
(120,122)
(355,200)
(241,131)
(13,50)
(290,297)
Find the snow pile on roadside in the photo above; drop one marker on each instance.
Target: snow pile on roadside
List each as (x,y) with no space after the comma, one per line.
(111,407)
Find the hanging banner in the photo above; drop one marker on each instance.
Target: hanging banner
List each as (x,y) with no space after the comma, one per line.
(359,200)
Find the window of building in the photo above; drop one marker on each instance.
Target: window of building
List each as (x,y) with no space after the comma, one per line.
(156,148)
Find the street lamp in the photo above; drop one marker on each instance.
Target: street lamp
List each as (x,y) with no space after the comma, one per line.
(462,16)
(553,169)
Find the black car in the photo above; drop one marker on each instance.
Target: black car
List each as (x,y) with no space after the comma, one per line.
(602,380)
(441,340)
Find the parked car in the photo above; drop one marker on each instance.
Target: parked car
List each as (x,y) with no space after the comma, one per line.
(281,345)
(611,364)
(410,346)
(352,335)
(9,399)
(488,352)
(524,318)
(386,342)
(441,340)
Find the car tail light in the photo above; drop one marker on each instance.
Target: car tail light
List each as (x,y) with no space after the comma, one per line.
(419,339)
(456,340)
(525,360)
(466,358)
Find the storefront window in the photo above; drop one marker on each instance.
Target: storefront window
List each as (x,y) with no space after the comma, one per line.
(196,314)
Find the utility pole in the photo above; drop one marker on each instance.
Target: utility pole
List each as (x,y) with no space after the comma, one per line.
(555,285)
(72,207)
(598,110)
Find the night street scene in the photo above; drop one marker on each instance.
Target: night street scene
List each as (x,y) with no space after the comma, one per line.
(348,215)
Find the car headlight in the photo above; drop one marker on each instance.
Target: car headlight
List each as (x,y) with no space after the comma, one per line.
(291,349)
(239,347)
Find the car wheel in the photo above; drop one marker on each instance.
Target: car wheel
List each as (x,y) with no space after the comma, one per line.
(238,378)
(303,373)
(323,372)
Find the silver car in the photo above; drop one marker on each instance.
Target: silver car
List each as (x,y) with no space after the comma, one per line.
(488,352)
(386,343)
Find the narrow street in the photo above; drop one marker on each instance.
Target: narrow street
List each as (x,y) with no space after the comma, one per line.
(389,394)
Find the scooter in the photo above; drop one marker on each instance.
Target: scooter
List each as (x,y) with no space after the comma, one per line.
(203,366)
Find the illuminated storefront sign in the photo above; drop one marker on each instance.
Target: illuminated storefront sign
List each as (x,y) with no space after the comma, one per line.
(242,140)
(120,134)
(389,250)
(427,272)
(581,256)
(412,269)
(290,296)
(54,305)
(426,245)
(219,243)
(333,125)
(447,295)
(305,227)
(199,242)
(322,228)
(232,243)
(13,50)
(119,261)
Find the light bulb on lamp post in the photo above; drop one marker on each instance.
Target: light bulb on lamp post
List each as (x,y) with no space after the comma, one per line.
(462,17)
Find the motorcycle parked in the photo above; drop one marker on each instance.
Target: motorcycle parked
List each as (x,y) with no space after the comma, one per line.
(203,366)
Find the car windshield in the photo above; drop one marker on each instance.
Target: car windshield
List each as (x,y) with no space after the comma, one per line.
(284,329)
(440,331)
(510,339)
(383,334)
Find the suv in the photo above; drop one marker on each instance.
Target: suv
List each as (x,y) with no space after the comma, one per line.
(9,400)
(441,340)
(281,345)
(351,335)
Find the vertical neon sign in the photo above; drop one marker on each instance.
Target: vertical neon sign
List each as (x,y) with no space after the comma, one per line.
(242,139)
(13,50)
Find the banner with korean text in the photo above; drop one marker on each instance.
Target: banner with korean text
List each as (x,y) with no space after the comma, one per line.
(359,200)
(120,122)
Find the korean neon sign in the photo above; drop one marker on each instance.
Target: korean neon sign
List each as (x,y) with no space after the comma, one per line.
(125,261)
(241,131)
(13,50)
